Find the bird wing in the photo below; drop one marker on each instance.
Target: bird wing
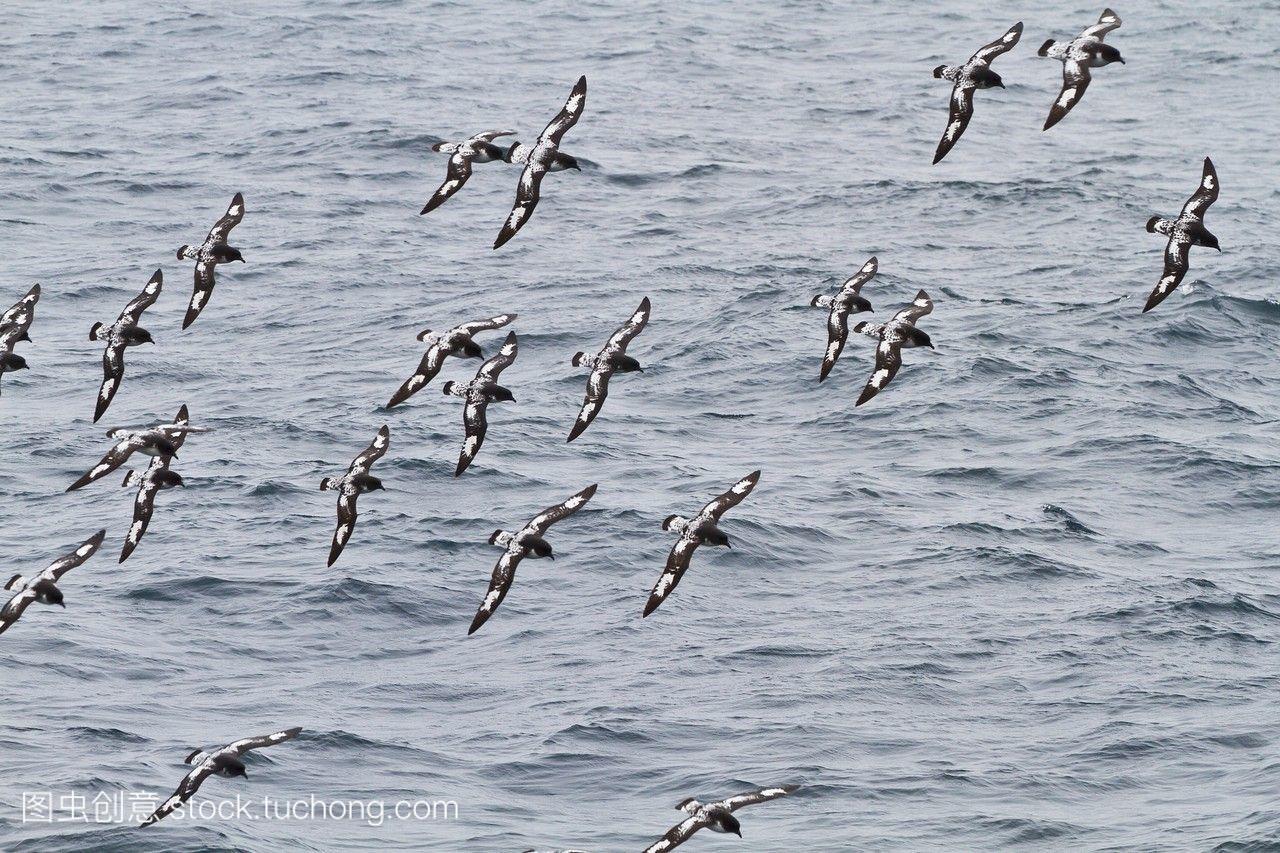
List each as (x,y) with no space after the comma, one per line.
(67,562)
(568,115)
(1004,44)
(1107,22)
(186,790)
(365,458)
(959,111)
(475,422)
(718,506)
(14,608)
(677,564)
(201,290)
(346,524)
(222,228)
(597,391)
(888,360)
(503,573)
(549,516)
(490,324)
(761,796)
(1075,79)
(455,176)
(678,834)
(627,331)
(114,458)
(854,283)
(243,745)
(919,307)
(1205,194)
(500,361)
(144,503)
(144,300)
(23,311)
(112,373)
(1176,254)
(527,194)
(837,334)
(432,361)
(490,135)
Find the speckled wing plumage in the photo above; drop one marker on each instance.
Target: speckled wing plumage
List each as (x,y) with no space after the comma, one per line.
(838,317)
(459,168)
(475,421)
(349,490)
(1075,56)
(960,108)
(892,337)
(602,368)
(113,355)
(25,594)
(1177,252)
(148,483)
(205,261)
(23,311)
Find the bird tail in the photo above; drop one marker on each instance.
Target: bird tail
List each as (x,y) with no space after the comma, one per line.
(326,484)
(93,333)
(517,153)
(1044,48)
(578,357)
(195,757)
(937,72)
(1151,224)
(182,251)
(668,521)
(132,478)
(13,582)
(447,388)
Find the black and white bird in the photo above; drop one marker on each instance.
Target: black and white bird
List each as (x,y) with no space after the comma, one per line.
(847,300)
(478,394)
(973,75)
(894,336)
(718,816)
(119,336)
(157,441)
(528,542)
(545,156)
(14,324)
(477,149)
(611,359)
(213,251)
(44,586)
(156,478)
(352,485)
(1184,232)
(225,762)
(702,529)
(457,342)
(1085,51)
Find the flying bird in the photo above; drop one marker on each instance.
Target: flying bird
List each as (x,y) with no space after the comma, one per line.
(974,74)
(528,542)
(157,441)
(225,762)
(213,251)
(152,481)
(543,157)
(457,342)
(612,358)
(848,300)
(14,324)
(1184,232)
(702,529)
(352,485)
(44,586)
(477,149)
(1085,51)
(894,336)
(120,335)
(718,817)
(479,393)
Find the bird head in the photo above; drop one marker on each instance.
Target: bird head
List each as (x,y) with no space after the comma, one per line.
(541,548)
(1109,55)
(498,394)
(225,254)
(166,447)
(137,335)
(13,361)
(471,349)
(627,364)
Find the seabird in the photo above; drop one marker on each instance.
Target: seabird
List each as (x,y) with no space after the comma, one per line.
(43,587)
(899,333)
(1184,232)
(478,149)
(123,333)
(611,358)
(213,251)
(351,485)
(479,393)
(456,342)
(848,300)
(544,157)
(158,441)
(528,542)
(155,479)
(1085,51)
(222,762)
(974,74)
(14,324)
(718,817)
(702,529)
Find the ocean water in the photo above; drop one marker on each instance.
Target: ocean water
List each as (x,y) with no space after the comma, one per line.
(1024,599)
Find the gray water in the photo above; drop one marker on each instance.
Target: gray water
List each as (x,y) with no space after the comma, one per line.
(1025,598)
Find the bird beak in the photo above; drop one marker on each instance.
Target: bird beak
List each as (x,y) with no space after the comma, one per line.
(175,454)
(62,605)
(552,556)
(1001,84)
(729,545)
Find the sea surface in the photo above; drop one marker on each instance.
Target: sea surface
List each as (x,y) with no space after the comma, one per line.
(1027,598)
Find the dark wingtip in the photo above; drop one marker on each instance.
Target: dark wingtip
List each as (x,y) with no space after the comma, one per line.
(578,429)
(480,619)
